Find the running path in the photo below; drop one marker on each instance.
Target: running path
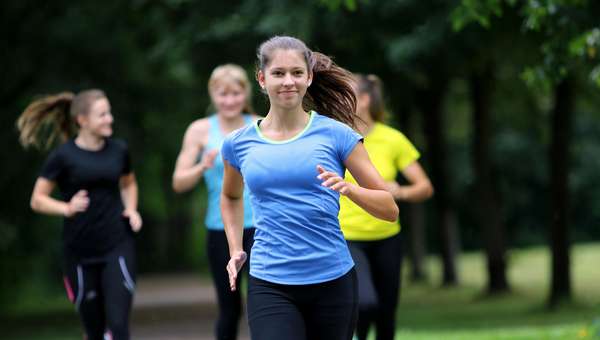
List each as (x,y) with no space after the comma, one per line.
(179,307)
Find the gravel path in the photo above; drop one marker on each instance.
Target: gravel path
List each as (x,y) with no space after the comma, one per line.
(181,307)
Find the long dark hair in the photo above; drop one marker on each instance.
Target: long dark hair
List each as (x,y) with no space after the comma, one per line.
(373,87)
(54,116)
(331,92)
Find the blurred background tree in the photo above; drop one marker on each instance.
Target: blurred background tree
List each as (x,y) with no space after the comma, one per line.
(454,73)
(568,36)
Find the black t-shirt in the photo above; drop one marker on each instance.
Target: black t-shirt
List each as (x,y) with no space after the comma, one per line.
(92,232)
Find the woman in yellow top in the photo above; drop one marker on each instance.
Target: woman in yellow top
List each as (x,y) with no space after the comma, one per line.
(375,244)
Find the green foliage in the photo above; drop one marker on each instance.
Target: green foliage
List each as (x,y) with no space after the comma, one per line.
(336,4)
(153,59)
(477,11)
(567,31)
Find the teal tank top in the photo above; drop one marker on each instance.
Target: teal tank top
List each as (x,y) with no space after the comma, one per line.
(213,178)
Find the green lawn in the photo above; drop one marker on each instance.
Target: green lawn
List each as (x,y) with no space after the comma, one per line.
(427,311)
(430,312)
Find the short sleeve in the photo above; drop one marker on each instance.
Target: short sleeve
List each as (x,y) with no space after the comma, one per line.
(347,140)
(53,166)
(228,154)
(407,153)
(127,168)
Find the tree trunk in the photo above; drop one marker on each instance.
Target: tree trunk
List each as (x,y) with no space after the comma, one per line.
(559,164)
(414,224)
(416,231)
(487,204)
(431,102)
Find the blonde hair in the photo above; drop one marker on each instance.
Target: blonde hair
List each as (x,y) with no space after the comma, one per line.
(54,116)
(232,73)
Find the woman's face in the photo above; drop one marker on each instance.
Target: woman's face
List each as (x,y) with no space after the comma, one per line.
(98,121)
(363,101)
(285,79)
(229,99)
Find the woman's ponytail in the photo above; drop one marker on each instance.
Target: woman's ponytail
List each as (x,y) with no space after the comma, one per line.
(331,92)
(46,119)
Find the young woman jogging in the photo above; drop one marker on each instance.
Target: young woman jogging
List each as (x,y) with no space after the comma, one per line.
(99,197)
(302,282)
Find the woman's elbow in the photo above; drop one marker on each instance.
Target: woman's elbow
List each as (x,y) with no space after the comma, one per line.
(392,214)
(34,203)
(428,191)
(392,211)
(177,185)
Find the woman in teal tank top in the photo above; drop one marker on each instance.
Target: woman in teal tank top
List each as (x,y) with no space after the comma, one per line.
(230,91)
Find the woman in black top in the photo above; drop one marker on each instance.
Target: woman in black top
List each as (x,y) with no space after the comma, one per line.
(99,203)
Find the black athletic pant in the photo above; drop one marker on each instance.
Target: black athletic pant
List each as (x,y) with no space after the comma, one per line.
(322,311)
(230,303)
(378,265)
(102,290)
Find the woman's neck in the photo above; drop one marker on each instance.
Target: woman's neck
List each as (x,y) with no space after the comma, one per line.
(89,141)
(285,120)
(229,124)
(365,125)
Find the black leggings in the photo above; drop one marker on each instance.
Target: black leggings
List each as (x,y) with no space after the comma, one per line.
(230,303)
(102,290)
(378,265)
(322,311)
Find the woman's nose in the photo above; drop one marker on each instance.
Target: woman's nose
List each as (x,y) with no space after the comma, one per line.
(287,80)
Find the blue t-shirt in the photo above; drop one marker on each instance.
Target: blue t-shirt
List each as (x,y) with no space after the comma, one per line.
(298,238)
(213,177)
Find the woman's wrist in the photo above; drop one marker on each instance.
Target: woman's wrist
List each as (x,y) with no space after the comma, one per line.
(66,210)
(398,192)
(235,252)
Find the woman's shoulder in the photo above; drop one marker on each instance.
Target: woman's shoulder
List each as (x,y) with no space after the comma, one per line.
(200,125)
(388,131)
(62,149)
(328,122)
(197,131)
(239,134)
(118,143)
(253,117)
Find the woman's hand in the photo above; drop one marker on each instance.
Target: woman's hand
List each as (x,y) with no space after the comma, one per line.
(334,181)
(78,203)
(396,190)
(208,159)
(233,267)
(135,220)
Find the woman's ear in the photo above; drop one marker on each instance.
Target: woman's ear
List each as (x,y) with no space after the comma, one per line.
(80,119)
(260,77)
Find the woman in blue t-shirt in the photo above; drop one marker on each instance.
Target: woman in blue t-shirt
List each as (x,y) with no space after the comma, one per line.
(229,91)
(302,283)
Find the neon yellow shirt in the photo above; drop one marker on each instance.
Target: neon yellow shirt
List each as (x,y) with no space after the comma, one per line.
(390,151)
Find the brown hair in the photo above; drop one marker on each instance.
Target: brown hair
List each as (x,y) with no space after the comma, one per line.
(371,85)
(234,74)
(330,93)
(55,113)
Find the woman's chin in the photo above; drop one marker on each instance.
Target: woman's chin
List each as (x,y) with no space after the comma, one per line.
(106,133)
(230,114)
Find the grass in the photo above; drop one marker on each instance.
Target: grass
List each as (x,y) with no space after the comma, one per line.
(427,311)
